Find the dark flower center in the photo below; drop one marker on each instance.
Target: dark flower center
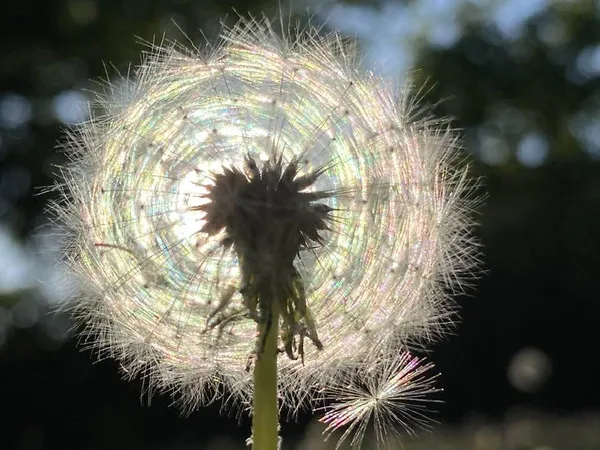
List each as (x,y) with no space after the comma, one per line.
(269,217)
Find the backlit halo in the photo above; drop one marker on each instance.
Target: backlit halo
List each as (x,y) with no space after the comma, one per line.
(152,279)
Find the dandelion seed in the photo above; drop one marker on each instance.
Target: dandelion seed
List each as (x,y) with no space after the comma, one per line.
(397,391)
(269,172)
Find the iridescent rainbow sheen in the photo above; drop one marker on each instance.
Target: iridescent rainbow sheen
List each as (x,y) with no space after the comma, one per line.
(152,280)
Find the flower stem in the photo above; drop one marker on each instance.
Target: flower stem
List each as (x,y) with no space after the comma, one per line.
(265,416)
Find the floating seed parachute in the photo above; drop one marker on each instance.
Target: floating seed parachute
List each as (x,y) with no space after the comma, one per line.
(163,285)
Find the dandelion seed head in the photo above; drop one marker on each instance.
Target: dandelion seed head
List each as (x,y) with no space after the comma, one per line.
(157,210)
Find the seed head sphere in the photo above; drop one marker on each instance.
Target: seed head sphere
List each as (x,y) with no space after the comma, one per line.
(266,169)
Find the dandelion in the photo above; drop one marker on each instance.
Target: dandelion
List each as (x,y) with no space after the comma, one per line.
(397,390)
(251,220)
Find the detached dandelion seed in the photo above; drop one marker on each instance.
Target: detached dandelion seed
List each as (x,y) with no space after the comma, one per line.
(396,391)
(261,209)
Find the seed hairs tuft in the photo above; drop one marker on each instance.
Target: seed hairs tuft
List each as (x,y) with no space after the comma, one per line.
(163,210)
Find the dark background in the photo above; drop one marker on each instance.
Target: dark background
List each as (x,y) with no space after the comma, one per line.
(521,78)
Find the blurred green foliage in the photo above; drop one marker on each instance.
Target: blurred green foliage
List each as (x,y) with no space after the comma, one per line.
(528,104)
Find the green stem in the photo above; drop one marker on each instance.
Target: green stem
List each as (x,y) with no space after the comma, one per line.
(265,415)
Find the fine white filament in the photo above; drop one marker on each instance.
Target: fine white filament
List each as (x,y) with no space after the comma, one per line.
(153,284)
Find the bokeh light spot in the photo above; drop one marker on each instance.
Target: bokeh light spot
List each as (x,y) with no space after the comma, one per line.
(492,147)
(533,150)
(529,369)
(70,107)
(588,62)
(15,111)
